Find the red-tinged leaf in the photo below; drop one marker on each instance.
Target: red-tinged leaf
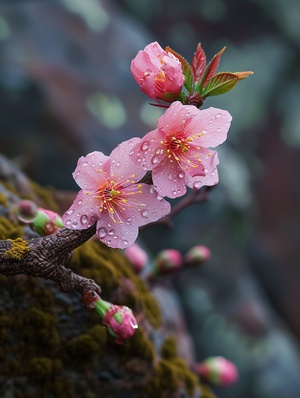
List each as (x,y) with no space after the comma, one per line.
(186,68)
(211,67)
(198,63)
(220,83)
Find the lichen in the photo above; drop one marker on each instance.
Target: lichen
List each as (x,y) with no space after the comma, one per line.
(19,247)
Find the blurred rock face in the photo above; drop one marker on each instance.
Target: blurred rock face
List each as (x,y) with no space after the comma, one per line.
(66,87)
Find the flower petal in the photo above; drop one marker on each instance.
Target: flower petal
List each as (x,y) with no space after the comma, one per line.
(213,125)
(149,152)
(210,161)
(168,179)
(122,167)
(83,213)
(115,235)
(87,173)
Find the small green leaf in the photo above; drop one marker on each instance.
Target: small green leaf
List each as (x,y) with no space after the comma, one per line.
(186,68)
(220,83)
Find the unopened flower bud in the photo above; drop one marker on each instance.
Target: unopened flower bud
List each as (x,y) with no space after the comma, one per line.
(166,261)
(117,319)
(26,211)
(46,222)
(137,256)
(217,371)
(197,255)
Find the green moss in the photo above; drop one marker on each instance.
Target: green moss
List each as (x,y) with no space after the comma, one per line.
(3,200)
(138,346)
(18,248)
(9,230)
(169,348)
(45,196)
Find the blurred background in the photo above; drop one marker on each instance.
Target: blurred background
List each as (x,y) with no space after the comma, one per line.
(66,89)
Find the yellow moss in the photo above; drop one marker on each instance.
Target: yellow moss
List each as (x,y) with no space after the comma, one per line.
(18,248)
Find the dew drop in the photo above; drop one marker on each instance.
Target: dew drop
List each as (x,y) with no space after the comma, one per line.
(159,197)
(75,223)
(83,219)
(218,115)
(70,211)
(118,164)
(145,213)
(131,152)
(79,202)
(181,174)
(170,176)
(68,222)
(102,232)
(145,146)
(125,242)
(197,185)
(84,164)
(154,160)
(111,232)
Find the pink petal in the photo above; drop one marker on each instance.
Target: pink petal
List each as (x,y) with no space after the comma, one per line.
(115,235)
(83,213)
(147,206)
(211,177)
(149,152)
(213,125)
(168,179)
(122,167)
(87,174)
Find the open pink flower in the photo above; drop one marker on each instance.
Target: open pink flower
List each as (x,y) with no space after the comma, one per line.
(158,72)
(112,197)
(177,151)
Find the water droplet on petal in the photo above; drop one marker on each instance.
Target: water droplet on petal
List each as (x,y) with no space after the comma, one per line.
(145,213)
(197,184)
(154,160)
(170,176)
(125,242)
(79,202)
(145,146)
(83,219)
(84,163)
(181,174)
(111,232)
(68,222)
(75,223)
(218,115)
(159,197)
(102,232)
(70,211)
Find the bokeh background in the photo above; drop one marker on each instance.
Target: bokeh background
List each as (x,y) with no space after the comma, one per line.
(66,90)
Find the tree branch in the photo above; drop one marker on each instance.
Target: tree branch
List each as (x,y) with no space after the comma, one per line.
(46,257)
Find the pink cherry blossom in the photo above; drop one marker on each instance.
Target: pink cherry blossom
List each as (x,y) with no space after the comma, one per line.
(112,197)
(158,72)
(178,151)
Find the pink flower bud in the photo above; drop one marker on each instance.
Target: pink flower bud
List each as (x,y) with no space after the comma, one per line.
(197,255)
(27,210)
(117,319)
(158,73)
(217,371)
(120,323)
(137,256)
(46,222)
(165,262)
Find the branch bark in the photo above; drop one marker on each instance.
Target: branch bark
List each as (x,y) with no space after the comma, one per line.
(46,257)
